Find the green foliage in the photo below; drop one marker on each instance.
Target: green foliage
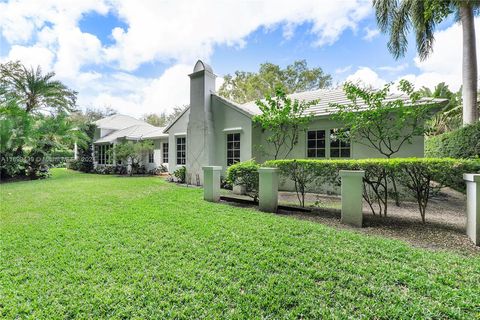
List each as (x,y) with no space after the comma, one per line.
(450,116)
(461,143)
(181,174)
(245,174)
(250,86)
(163,119)
(421,177)
(33,120)
(283,119)
(398,18)
(33,91)
(381,123)
(132,152)
(98,247)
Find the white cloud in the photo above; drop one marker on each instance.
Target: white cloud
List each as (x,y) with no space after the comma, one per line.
(173,32)
(370,33)
(137,96)
(343,70)
(394,69)
(445,63)
(171,89)
(367,77)
(185,31)
(31,56)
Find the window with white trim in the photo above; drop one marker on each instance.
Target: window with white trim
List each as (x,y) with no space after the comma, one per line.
(103,154)
(181,150)
(165,152)
(233,148)
(316,144)
(151,157)
(340,143)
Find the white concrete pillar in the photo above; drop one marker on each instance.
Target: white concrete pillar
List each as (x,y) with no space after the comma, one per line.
(352,192)
(268,189)
(211,183)
(75,151)
(473,207)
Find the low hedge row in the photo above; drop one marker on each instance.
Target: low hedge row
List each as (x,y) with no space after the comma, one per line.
(461,143)
(420,177)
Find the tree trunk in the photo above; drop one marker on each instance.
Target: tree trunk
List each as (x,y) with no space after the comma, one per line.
(469,67)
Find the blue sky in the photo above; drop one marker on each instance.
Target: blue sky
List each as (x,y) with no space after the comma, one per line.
(135,56)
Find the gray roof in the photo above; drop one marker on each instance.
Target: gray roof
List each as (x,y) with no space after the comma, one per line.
(325,97)
(117,122)
(139,131)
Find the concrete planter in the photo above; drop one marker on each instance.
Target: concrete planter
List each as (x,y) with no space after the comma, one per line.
(352,191)
(211,183)
(473,207)
(239,189)
(268,189)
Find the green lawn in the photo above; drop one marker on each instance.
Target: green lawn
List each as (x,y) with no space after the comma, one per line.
(90,246)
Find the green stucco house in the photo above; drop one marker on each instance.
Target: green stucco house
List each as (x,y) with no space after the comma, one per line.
(220,132)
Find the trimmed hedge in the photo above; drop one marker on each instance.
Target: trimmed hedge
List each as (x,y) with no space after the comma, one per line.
(421,177)
(461,143)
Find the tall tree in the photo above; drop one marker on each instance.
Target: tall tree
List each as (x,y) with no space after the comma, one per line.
(422,16)
(155,119)
(35,91)
(283,119)
(249,86)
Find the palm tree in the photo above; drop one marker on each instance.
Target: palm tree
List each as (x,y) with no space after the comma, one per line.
(35,91)
(398,17)
(450,116)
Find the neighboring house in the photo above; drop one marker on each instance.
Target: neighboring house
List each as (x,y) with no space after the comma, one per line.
(220,132)
(117,128)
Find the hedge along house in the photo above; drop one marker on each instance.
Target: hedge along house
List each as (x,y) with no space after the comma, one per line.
(215,131)
(117,128)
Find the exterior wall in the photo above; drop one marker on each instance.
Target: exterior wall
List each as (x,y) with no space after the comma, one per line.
(358,150)
(157,154)
(225,117)
(178,129)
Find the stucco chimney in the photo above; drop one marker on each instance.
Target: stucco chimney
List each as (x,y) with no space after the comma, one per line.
(200,136)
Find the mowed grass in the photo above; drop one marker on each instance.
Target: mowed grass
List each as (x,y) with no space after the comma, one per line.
(90,246)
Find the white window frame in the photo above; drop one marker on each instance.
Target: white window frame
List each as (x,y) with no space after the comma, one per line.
(239,149)
(184,162)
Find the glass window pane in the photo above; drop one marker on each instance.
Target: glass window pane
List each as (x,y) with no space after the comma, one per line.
(346,153)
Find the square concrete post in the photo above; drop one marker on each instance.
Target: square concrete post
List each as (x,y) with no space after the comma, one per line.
(352,195)
(268,189)
(473,207)
(211,183)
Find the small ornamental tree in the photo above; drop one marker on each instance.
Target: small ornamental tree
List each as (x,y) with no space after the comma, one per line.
(132,152)
(283,119)
(383,123)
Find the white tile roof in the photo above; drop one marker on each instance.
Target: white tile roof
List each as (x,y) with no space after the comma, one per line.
(136,132)
(117,122)
(325,97)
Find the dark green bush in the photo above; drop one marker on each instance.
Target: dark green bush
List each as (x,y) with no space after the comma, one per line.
(420,177)
(245,174)
(180,174)
(461,143)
